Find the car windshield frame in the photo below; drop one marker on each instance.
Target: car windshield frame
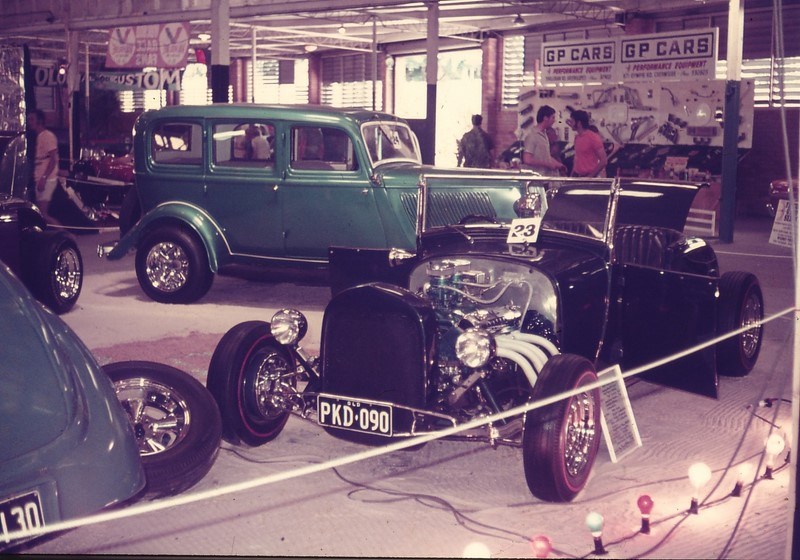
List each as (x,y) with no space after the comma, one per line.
(390,141)
(589,208)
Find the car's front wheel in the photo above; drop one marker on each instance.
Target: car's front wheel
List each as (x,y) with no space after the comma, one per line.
(176,422)
(252,378)
(741,304)
(53,269)
(172,266)
(561,440)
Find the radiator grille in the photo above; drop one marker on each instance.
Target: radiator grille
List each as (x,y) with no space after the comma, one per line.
(447,208)
(374,346)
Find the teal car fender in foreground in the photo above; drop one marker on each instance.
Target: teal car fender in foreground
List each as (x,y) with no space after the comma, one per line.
(67,448)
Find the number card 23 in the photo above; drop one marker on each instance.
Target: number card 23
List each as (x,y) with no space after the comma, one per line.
(524,230)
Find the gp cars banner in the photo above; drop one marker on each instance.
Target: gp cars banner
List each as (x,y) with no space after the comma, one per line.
(674,55)
(164,45)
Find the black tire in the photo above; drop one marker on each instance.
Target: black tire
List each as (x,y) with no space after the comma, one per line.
(172,266)
(177,456)
(561,440)
(740,303)
(254,407)
(130,212)
(53,269)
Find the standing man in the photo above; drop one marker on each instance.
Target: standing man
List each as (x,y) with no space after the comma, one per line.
(476,148)
(590,154)
(45,170)
(537,155)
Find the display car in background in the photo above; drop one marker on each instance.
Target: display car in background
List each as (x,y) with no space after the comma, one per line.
(779,190)
(49,262)
(266,185)
(491,313)
(76,438)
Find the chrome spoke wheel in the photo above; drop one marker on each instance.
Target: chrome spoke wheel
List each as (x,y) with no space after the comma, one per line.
(167,266)
(67,273)
(159,415)
(270,389)
(579,433)
(751,314)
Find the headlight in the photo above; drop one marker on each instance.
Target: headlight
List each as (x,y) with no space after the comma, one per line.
(288,326)
(475,347)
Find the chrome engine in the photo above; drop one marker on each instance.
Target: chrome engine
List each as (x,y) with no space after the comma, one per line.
(493,297)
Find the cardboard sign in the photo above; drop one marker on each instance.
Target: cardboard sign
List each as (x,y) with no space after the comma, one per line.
(619,426)
(164,45)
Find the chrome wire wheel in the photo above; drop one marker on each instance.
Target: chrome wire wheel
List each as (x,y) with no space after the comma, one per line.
(752,313)
(167,266)
(579,433)
(160,416)
(270,389)
(67,273)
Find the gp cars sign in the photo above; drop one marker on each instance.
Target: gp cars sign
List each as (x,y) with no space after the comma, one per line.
(163,45)
(675,55)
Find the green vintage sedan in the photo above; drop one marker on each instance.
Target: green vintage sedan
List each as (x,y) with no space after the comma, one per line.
(246,184)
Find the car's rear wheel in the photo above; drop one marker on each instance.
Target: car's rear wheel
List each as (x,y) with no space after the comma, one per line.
(172,266)
(175,419)
(561,440)
(251,376)
(740,304)
(53,269)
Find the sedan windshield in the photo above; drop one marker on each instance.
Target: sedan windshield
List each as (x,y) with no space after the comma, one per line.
(390,141)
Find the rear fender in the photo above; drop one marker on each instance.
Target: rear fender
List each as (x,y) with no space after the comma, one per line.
(192,217)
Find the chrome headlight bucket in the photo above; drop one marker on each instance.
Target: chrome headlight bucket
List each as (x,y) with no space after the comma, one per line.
(288,326)
(475,347)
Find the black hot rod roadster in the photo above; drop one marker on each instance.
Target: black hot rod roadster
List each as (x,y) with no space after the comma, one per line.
(513,295)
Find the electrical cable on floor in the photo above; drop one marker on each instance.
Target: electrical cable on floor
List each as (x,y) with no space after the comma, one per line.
(440,503)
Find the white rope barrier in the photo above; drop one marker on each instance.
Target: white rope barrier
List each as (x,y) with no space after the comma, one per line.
(150,507)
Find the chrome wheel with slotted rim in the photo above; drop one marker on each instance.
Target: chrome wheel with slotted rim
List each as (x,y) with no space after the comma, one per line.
(160,415)
(167,267)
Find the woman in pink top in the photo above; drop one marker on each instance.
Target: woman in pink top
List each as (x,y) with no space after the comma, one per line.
(590,155)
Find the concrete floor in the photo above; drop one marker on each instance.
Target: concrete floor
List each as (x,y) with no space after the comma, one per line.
(448,495)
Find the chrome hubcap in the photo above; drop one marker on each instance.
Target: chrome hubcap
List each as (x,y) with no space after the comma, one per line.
(167,266)
(579,433)
(159,415)
(751,314)
(67,274)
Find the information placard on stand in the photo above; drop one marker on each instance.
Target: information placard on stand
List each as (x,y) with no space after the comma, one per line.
(619,425)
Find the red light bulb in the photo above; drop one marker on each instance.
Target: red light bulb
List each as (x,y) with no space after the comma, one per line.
(645,504)
(541,546)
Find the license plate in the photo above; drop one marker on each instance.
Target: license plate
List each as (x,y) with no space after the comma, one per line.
(353,414)
(20,513)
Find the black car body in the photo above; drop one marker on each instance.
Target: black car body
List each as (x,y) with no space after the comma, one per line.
(48,262)
(487,316)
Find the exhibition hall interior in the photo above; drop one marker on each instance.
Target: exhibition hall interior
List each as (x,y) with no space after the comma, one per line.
(446,278)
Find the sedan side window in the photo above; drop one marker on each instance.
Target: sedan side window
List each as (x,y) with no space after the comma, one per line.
(248,144)
(177,143)
(322,148)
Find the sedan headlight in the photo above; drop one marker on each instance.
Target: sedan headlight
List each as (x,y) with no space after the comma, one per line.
(475,347)
(288,326)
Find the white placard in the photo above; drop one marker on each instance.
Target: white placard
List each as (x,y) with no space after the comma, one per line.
(781,233)
(524,230)
(619,426)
